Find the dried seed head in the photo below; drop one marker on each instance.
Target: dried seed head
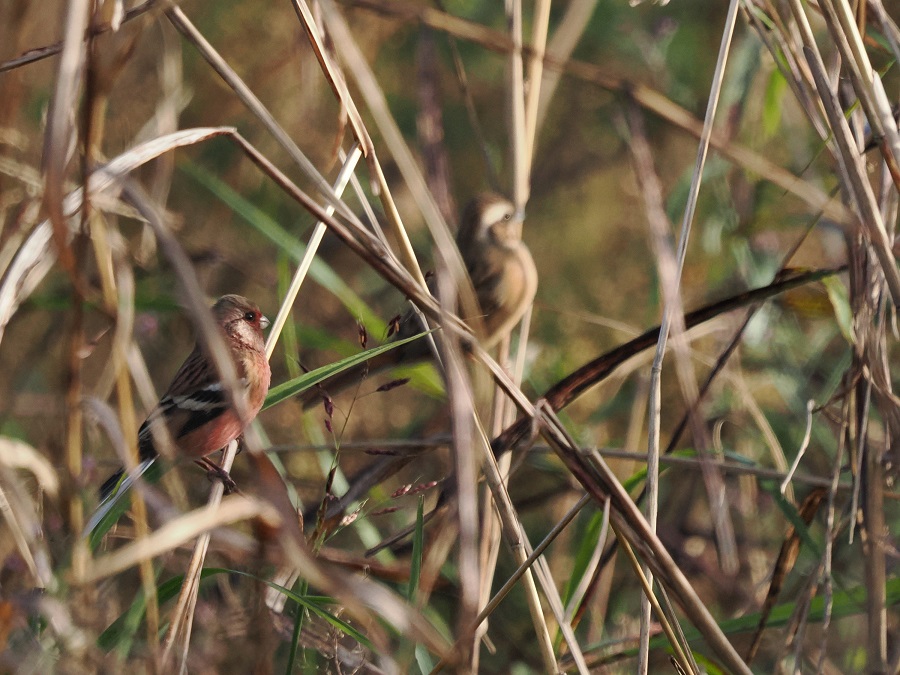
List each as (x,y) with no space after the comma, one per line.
(393,384)
(350,517)
(382,451)
(399,492)
(363,335)
(393,325)
(421,487)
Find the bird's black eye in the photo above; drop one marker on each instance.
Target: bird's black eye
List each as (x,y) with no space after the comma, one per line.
(507,216)
(250,316)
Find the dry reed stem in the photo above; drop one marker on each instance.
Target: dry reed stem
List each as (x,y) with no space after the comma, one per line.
(870,476)
(866,82)
(182,617)
(669,274)
(17,508)
(647,97)
(601,484)
(566,36)
(36,257)
(334,76)
(517,539)
(117,287)
(312,248)
(175,533)
(387,126)
(869,218)
(466,469)
(246,95)
(670,270)
(519,143)
(338,83)
(674,312)
(646,582)
(60,128)
(535,76)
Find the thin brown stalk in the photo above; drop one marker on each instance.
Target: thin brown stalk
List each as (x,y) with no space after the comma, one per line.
(565,38)
(785,55)
(35,258)
(670,273)
(490,518)
(831,536)
(526,565)
(647,97)
(535,75)
(866,82)
(377,104)
(182,618)
(430,126)
(334,76)
(59,139)
(514,534)
(646,584)
(18,508)
(175,533)
(465,505)
(96,29)
(365,80)
(118,297)
(246,95)
(600,483)
(312,248)
(869,217)
(518,142)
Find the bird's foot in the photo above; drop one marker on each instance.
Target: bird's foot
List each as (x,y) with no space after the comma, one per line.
(214,472)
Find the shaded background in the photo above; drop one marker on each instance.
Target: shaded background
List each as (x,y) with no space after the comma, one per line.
(585,226)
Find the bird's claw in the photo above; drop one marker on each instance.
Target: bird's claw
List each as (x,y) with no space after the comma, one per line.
(214,472)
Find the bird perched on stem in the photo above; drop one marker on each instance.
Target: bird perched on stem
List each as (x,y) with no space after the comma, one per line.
(503,276)
(498,262)
(196,411)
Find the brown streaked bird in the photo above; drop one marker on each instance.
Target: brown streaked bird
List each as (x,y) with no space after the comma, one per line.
(498,262)
(196,408)
(503,276)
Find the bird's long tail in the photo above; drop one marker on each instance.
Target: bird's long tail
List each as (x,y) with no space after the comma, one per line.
(114,489)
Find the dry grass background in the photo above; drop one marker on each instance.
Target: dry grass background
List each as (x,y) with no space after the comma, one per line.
(206,135)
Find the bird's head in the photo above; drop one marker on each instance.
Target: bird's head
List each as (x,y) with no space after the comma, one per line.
(240,317)
(490,218)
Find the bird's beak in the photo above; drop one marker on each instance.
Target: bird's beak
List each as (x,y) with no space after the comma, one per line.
(519,215)
(263,322)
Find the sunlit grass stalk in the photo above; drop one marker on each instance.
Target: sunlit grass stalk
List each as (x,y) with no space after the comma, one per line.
(670,268)
(119,301)
(240,88)
(646,583)
(312,248)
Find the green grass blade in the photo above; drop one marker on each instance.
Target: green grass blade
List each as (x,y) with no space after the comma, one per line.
(298,385)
